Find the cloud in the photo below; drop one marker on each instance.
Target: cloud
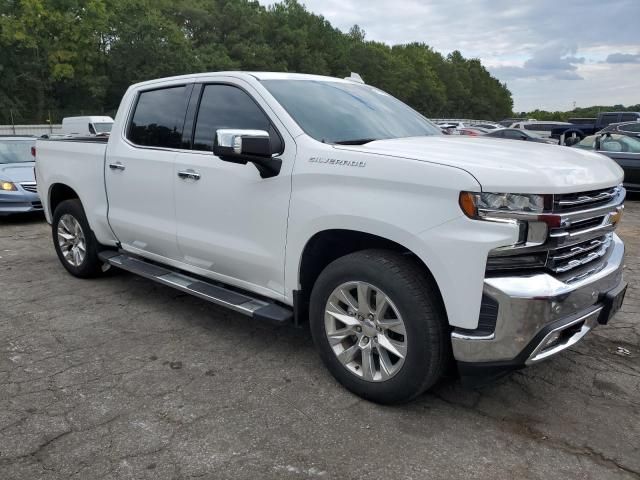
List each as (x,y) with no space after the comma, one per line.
(531,45)
(623,58)
(554,61)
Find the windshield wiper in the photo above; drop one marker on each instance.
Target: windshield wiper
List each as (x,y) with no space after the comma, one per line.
(356,141)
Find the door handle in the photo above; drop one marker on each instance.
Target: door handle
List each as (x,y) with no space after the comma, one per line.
(116,166)
(189,175)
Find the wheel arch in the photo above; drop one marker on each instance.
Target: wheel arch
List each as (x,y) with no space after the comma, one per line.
(325,246)
(58,193)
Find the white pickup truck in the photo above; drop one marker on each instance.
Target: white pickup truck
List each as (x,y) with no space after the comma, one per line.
(297,197)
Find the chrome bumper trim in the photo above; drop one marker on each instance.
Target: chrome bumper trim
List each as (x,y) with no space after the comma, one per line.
(527,304)
(589,321)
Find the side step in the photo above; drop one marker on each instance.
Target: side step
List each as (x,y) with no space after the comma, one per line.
(214,293)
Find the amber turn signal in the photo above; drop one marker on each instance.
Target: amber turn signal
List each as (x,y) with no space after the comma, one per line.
(467,202)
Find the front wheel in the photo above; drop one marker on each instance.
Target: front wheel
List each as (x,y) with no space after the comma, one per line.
(73,240)
(379,325)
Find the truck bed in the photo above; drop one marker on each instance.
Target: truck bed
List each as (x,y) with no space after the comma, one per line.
(78,163)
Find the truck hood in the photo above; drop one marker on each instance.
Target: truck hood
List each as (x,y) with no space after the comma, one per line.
(501,165)
(17,172)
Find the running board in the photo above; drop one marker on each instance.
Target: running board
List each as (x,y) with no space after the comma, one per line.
(214,293)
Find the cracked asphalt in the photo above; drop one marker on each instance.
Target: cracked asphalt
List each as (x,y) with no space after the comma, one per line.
(123,378)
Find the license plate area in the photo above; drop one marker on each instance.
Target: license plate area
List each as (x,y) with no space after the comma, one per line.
(611,303)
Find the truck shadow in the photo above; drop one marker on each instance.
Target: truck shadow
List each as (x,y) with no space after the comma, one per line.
(22,218)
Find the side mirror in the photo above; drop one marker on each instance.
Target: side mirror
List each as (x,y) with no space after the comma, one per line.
(242,146)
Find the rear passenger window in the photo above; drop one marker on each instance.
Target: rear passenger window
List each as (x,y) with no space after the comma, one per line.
(225,106)
(159,118)
(629,117)
(607,119)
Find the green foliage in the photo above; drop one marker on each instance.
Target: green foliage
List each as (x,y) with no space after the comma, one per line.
(63,57)
(587,112)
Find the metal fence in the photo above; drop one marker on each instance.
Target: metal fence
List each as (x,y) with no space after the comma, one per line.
(30,129)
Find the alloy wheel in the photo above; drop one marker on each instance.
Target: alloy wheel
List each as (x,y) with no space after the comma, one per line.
(71,240)
(365,331)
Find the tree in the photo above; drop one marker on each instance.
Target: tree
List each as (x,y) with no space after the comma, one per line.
(79,56)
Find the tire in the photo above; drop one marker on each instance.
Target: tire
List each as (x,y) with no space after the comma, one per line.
(412,297)
(69,219)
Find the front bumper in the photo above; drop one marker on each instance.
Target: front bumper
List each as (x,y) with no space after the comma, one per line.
(531,307)
(20,201)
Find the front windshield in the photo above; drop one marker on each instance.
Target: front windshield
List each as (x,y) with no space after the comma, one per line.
(16,151)
(103,127)
(344,112)
(587,143)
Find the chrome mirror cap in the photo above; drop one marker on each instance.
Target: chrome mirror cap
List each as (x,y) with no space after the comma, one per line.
(232,138)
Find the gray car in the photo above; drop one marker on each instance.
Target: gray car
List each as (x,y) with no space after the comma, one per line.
(18,193)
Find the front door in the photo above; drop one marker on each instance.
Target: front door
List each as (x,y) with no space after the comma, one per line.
(231,223)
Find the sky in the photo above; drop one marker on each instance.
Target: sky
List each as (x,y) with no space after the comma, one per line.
(552,54)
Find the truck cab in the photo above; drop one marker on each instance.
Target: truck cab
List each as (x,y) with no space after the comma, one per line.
(315,200)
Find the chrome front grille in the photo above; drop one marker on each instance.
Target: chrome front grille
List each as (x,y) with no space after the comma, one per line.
(579,235)
(30,187)
(564,259)
(572,201)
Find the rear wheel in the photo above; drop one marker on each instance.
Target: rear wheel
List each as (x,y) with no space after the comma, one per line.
(379,324)
(73,240)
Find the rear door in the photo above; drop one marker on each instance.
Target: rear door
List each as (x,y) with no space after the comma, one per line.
(231,223)
(139,172)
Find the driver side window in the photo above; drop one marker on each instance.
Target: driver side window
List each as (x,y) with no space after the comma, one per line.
(226,106)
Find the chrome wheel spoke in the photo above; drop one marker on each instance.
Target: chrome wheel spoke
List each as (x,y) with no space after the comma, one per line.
(339,315)
(386,367)
(395,325)
(364,296)
(368,366)
(347,298)
(340,335)
(347,355)
(398,349)
(382,303)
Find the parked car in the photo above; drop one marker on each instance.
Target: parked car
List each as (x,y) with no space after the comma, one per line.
(625,150)
(91,125)
(631,129)
(543,129)
(18,192)
(517,134)
(487,126)
(473,131)
(507,122)
(581,128)
(398,251)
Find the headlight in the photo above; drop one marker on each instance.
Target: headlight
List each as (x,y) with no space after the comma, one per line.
(7,186)
(483,205)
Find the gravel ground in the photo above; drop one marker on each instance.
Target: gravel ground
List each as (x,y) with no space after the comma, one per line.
(123,378)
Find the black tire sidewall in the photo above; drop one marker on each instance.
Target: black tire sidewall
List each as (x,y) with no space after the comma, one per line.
(91,265)
(425,347)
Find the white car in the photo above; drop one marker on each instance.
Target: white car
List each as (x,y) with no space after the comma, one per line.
(541,128)
(301,198)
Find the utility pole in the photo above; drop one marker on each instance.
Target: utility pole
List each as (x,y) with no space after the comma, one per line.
(13,125)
